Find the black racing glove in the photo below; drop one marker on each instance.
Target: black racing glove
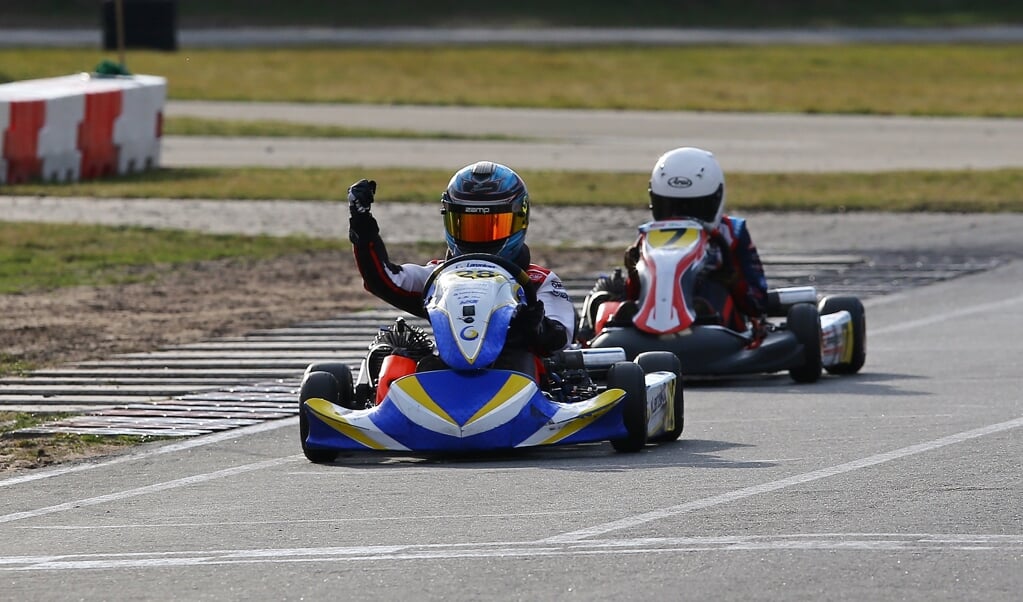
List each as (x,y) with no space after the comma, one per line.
(360,196)
(631,258)
(543,335)
(529,319)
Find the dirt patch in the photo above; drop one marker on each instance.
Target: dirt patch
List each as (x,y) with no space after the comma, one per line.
(191,303)
(27,453)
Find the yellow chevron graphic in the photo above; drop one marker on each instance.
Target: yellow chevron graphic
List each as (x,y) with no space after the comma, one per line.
(414,389)
(671,238)
(514,384)
(326,412)
(601,404)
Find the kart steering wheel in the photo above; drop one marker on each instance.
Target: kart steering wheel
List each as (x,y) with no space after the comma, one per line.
(517,272)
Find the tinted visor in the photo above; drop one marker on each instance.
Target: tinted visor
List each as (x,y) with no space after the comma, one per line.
(704,208)
(481,227)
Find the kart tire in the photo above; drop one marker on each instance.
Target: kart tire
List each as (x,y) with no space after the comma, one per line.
(830,305)
(804,321)
(665,361)
(343,375)
(591,305)
(630,377)
(324,386)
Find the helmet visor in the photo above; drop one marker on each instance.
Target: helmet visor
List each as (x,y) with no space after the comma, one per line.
(703,208)
(481,227)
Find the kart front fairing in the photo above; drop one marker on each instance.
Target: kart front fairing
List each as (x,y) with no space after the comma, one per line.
(672,253)
(470,305)
(449,410)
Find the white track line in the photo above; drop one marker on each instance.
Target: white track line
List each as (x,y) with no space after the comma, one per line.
(647,517)
(154,488)
(572,536)
(846,542)
(164,449)
(942,317)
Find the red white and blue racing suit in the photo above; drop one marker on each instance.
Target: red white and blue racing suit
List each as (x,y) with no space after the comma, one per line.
(732,284)
(402,286)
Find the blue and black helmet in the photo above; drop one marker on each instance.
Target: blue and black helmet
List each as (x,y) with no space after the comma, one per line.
(486,210)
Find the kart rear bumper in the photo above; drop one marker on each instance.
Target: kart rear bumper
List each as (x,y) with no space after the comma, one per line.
(710,350)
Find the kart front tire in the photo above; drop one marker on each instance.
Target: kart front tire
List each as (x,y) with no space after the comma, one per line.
(343,375)
(804,321)
(630,377)
(665,361)
(831,305)
(321,385)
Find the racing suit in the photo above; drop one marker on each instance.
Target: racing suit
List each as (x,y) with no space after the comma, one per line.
(543,328)
(731,289)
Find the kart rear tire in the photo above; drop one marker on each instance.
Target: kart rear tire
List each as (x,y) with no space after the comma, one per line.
(591,306)
(830,305)
(665,361)
(629,377)
(324,386)
(804,321)
(343,375)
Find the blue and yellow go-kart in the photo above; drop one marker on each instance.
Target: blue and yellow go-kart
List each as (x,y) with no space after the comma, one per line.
(463,404)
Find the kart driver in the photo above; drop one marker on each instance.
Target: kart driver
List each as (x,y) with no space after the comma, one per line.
(486,210)
(731,290)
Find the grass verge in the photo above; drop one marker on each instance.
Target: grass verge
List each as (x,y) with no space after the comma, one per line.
(909,79)
(45,256)
(958,191)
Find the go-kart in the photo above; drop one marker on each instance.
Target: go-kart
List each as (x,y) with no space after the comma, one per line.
(815,333)
(415,393)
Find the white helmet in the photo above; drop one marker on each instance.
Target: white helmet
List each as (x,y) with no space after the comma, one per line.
(688,182)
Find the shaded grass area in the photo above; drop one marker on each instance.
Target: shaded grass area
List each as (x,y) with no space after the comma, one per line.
(855,79)
(45,256)
(652,13)
(957,191)
(198,126)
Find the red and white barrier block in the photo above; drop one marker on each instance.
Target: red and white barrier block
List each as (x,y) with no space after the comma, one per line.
(80,127)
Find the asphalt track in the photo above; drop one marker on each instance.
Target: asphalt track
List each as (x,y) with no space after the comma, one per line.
(277,37)
(902,482)
(616,141)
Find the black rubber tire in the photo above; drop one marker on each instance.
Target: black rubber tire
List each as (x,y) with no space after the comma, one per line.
(665,361)
(343,375)
(830,305)
(592,305)
(630,377)
(805,323)
(324,386)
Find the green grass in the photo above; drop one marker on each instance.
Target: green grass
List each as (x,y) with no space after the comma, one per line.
(864,79)
(960,191)
(36,256)
(13,421)
(13,364)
